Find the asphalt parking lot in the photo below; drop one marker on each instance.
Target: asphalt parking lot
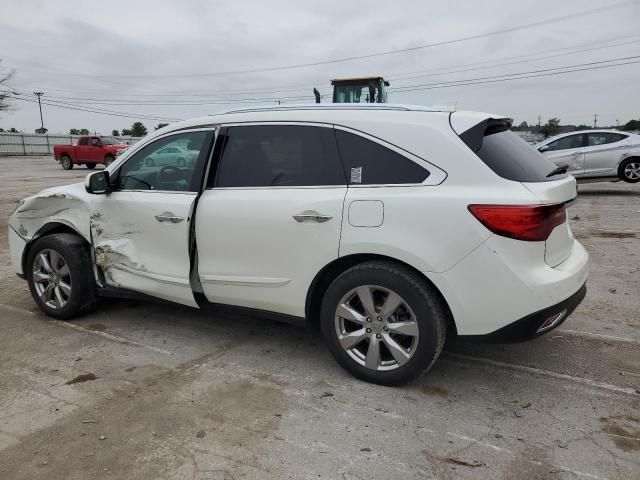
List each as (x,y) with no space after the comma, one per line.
(171,392)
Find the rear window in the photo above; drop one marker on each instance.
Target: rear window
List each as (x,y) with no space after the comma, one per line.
(510,156)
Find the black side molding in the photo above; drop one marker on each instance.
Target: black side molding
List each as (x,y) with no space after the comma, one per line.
(527,327)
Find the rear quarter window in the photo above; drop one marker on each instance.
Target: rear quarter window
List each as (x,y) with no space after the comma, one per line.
(369,163)
(508,155)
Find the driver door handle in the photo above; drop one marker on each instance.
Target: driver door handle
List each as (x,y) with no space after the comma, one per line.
(169,217)
(310,215)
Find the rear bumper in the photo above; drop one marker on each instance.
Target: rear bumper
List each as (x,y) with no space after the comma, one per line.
(504,280)
(529,327)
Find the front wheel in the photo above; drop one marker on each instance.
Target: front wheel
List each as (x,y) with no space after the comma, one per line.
(107,160)
(66,162)
(383,323)
(60,276)
(629,170)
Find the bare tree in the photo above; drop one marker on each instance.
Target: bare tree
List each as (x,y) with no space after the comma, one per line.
(5,90)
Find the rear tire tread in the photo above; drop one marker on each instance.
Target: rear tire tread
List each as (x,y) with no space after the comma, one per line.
(428,294)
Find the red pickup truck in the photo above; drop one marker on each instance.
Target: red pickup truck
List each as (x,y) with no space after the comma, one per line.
(89,151)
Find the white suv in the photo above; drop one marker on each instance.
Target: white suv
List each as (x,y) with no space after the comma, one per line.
(389,226)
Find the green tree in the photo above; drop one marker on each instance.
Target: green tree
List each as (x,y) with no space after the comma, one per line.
(115,133)
(13,130)
(1,129)
(84,131)
(582,126)
(523,126)
(551,128)
(138,130)
(160,125)
(126,132)
(74,131)
(631,125)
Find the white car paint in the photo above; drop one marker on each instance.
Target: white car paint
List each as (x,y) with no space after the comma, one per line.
(589,158)
(253,253)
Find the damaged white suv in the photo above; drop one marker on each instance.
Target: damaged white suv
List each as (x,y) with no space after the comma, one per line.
(390,226)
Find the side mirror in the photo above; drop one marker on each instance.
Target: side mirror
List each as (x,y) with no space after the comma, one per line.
(98,182)
(543,148)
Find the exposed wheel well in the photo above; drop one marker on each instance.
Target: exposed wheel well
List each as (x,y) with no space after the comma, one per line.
(48,229)
(330,272)
(109,155)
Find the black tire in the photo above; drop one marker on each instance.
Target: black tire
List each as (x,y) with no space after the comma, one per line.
(629,170)
(418,295)
(66,162)
(75,253)
(181,162)
(91,166)
(149,162)
(107,160)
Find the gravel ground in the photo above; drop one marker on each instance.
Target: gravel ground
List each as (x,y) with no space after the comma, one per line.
(170,392)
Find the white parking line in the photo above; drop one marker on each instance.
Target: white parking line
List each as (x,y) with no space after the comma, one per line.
(547,373)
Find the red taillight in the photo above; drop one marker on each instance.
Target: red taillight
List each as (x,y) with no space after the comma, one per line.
(533,223)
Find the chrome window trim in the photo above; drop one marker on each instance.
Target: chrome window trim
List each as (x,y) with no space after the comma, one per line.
(434,171)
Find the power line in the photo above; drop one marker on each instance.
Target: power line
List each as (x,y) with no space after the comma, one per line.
(410,88)
(98,111)
(400,77)
(429,73)
(525,26)
(436,86)
(432,72)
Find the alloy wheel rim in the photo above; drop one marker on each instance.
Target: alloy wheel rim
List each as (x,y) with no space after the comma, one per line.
(632,171)
(52,278)
(376,328)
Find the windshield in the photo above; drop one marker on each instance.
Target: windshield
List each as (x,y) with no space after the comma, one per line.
(111,141)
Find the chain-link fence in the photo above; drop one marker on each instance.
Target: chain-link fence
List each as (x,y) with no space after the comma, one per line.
(36,144)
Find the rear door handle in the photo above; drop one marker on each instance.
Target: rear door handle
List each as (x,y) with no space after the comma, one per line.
(312,216)
(169,217)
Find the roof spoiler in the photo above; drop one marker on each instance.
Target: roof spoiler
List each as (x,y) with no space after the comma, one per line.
(474,136)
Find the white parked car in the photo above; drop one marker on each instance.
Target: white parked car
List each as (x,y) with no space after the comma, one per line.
(390,226)
(596,154)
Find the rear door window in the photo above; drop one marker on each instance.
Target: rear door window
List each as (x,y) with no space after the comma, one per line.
(369,163)
(511,157)
(279,156)
(604,138)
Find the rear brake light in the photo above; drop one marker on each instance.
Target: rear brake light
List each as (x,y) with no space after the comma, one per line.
(532,223)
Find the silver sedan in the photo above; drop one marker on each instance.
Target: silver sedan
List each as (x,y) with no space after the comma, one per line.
(596,154)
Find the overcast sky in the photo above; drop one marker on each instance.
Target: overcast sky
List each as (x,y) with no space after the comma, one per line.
(121,56)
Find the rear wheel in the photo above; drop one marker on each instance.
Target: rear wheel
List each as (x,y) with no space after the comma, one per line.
(107,160)
(60,275)
(91,166)
(66,162)
(383,323)
(629,170)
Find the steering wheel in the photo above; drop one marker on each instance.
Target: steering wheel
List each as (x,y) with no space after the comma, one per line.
(172,172)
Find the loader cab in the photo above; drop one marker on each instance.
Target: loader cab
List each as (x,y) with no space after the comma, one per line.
(360,90)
